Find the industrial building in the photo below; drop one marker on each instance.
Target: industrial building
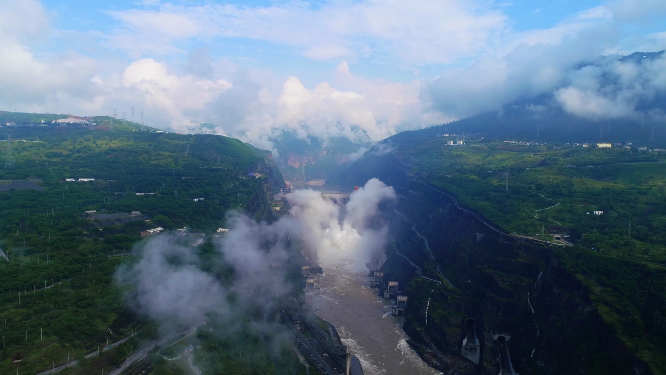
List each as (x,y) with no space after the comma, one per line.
(354,366)
(471,348)
(502,342)
(400,305)
(377,279)
(392,291)
(307,271)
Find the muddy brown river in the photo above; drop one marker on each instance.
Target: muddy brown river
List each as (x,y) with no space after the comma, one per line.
(365,324)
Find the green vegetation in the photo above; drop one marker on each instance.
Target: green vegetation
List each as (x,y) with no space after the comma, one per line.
(28,118)
(555,189)
(48,237)
(110,123)
(12,119)
(242,350)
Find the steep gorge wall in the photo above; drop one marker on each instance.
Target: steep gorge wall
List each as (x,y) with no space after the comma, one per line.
(507,285)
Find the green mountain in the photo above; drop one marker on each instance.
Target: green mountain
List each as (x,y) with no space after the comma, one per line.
(10,120)
(560,246)
(74,200)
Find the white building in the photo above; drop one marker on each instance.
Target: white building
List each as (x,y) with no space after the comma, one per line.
(72,120)
(598,212)
(150,232)
(86,179)
(198,199)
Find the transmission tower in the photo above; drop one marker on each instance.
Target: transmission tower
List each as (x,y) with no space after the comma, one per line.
(132,114)
(142,117)
(9,160)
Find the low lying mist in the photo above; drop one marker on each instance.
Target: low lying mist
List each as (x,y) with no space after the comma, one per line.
(255,263)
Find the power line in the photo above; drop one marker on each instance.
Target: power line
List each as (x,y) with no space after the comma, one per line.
(9,160)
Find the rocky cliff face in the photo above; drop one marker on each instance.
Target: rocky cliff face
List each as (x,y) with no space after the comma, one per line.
(508,286)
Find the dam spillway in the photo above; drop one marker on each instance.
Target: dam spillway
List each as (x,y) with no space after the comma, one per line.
(471,348)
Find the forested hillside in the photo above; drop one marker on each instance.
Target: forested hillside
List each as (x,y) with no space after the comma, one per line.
(74,201)
(599,212)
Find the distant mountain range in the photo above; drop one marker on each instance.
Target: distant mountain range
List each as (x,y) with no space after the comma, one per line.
(544,118)
(554,126)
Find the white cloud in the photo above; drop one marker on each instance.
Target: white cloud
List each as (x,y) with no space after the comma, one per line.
(562,32)
(525,72)
(246,103)
(13,16)
(31,82)
(415,31)
(637,10)
(357,155)
(169,92)
(151,32)
(329,110)
(148,3)
(591,105)
(615,89)
(327,52)
(351,106)
(382,149)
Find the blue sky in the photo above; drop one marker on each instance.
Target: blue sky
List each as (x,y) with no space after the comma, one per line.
(252,67)
(91,18)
